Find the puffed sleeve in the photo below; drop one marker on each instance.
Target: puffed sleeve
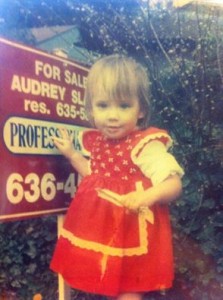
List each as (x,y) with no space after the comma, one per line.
(86,140)
(156,163)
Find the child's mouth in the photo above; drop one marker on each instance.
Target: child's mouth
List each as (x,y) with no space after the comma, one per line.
(113,128)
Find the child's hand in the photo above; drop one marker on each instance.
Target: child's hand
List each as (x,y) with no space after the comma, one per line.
(165,192)
(118,200)
(65,143)
(126,200)
(132,201)
(136,200)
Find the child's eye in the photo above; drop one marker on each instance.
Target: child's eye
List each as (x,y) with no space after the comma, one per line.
(102,104)
(125,105)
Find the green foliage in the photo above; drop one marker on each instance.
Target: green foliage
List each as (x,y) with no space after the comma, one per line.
(182,50)
(26,250)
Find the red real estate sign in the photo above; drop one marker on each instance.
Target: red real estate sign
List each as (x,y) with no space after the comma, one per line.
(39,93)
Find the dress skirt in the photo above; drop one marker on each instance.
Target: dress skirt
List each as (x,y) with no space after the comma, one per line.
(106,249)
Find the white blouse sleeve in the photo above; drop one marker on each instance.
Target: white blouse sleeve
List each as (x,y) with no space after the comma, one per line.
(156,163)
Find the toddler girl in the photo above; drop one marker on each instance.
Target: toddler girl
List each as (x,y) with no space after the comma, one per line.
(116,239)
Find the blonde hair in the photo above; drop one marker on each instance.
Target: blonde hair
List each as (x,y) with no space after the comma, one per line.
(120,78)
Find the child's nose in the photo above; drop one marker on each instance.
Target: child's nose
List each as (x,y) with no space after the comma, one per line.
(113,113)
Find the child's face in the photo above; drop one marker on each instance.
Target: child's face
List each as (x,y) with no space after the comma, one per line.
(115,119)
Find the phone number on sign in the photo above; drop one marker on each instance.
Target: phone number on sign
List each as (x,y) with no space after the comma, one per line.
(32,187)
(70,111)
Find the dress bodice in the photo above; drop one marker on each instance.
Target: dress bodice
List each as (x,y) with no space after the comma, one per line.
(114,158)
(111,158)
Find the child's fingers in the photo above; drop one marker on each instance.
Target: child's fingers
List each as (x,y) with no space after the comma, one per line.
(130,202)
(57,140)
(58,144)
(65,135)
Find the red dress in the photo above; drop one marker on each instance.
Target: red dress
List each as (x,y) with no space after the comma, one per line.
(104,248)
